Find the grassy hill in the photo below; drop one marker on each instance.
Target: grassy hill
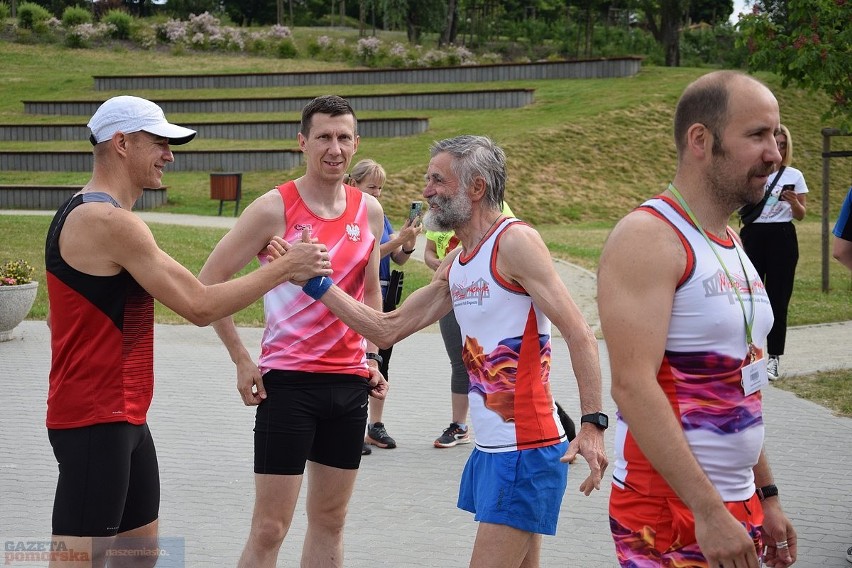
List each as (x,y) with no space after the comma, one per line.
(580,157)
(586,150)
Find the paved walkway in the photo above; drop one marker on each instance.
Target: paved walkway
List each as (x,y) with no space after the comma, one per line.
(403,510)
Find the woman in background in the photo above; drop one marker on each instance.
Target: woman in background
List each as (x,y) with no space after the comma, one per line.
(369,177)
(771,244)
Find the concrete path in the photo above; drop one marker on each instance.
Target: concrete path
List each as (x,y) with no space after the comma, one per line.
(403,510)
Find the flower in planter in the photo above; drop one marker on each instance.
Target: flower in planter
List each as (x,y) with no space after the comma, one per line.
(15,273)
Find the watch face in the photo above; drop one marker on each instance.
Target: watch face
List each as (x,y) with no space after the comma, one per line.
(599,419)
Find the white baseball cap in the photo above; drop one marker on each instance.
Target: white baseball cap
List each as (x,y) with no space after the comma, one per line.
(131,114)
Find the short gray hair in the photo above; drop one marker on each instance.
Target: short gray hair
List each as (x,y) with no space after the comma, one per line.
(477,156)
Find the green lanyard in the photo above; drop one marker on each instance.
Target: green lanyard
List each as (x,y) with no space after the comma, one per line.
(749,321)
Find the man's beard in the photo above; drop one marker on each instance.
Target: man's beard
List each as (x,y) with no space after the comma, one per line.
(451,214)
(735,193)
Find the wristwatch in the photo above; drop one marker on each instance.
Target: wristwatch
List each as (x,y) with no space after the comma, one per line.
(375,357)
(766,492)
(599,419)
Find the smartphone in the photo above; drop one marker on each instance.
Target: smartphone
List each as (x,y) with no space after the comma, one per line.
(415,210)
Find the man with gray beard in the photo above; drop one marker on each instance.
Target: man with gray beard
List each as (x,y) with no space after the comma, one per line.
(505,292)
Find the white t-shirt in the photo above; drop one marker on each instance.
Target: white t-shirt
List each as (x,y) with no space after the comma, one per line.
(774,210)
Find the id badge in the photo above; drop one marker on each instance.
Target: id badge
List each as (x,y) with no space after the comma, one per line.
(754,376)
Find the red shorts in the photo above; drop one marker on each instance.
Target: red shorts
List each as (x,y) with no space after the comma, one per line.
(660,531)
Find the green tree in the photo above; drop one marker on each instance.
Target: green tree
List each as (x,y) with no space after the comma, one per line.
(664,19)
(710,11)
(807,43)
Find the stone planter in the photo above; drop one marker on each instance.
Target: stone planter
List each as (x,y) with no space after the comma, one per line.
(15,304)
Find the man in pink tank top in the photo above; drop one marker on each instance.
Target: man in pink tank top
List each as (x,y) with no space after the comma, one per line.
(505,292)
(314,374)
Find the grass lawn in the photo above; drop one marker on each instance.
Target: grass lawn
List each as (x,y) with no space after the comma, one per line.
(580,157)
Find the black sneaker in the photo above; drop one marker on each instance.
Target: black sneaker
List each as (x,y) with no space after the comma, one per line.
(366,450)
(378,436)
(453,435)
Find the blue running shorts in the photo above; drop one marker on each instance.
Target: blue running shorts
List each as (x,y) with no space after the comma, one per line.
(522,489)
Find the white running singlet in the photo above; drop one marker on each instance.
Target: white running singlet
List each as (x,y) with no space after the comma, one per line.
(506,350)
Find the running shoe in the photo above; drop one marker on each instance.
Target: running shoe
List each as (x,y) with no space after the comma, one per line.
(366,450)
(772,368)
(378,436)
(452,436)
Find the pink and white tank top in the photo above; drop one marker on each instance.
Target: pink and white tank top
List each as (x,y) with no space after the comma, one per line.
(302,334)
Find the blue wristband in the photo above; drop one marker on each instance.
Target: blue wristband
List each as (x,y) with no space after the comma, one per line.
(317,286)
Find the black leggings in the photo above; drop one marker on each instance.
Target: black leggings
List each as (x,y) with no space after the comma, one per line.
(773,248)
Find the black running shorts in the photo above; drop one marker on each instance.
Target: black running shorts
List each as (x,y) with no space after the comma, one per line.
(109,481)
(310,416)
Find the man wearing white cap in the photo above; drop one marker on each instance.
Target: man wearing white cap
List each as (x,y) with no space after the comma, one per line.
(104,270)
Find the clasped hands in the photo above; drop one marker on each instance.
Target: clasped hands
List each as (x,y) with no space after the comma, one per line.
(316,262)
(308,257)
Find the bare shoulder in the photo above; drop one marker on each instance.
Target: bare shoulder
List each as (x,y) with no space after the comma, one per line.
(523,257)
(642,243)
(374,209)
(104,222)
(265,216)
(98,237)
(520,237)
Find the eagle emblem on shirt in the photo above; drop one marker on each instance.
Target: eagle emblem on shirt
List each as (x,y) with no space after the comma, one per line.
(353,231)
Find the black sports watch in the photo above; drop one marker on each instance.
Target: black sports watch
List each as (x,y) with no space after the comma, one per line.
(375,357)
(766,492)
(599,419)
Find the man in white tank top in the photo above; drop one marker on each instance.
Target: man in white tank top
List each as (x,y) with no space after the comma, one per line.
(685,317)
(505,292)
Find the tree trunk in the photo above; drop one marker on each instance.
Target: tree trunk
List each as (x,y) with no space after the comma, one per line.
(280,12)
(589,30)
(667,33)
(448,35)
(671,18)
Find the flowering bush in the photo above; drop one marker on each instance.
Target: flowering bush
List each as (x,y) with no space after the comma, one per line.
(16,272)
(83,34)
(368,48)
(205,32)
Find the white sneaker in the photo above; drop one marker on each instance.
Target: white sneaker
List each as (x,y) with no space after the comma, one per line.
(772,368)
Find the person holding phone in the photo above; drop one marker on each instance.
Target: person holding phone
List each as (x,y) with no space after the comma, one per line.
(772,246)
(369,177)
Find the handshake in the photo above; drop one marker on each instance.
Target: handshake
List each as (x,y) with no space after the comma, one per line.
(307,260)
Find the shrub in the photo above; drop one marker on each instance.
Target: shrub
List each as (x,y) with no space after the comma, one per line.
(75,15)
(32,16)
(5,11)
(82,35)
(368,49)
(144,36)
(286,49)
(122,21)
